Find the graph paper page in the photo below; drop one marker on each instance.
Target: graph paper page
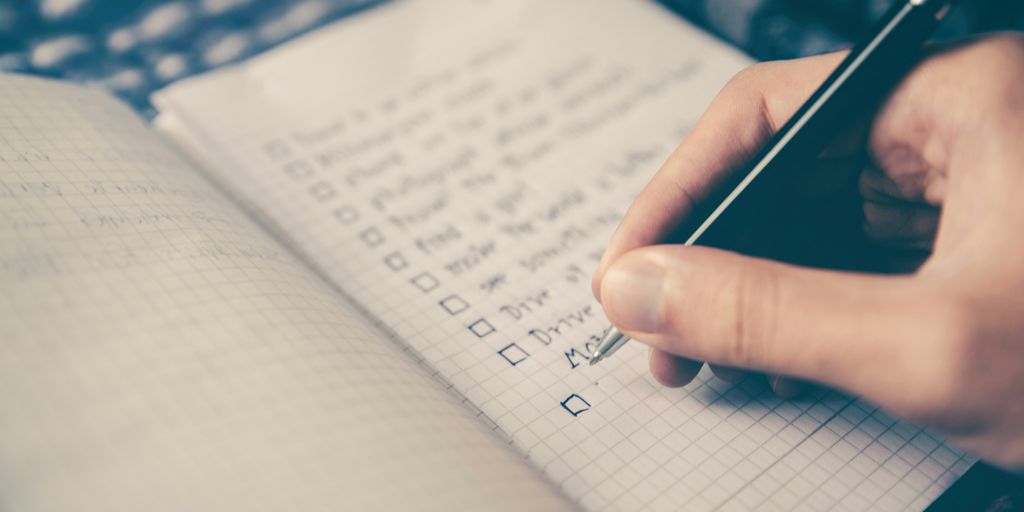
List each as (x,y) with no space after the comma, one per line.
(159,351)
(457,166)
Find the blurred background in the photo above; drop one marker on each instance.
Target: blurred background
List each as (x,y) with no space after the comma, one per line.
(132,48)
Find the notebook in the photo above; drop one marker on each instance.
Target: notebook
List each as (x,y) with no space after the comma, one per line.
(352,274)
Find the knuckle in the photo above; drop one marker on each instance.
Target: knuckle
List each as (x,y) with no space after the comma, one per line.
(755,93)
(750,304)
(747,81)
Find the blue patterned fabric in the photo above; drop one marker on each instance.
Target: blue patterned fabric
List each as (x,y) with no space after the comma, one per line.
(134,47)
(782,29)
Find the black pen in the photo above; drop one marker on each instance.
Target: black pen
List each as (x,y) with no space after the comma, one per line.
(870,71)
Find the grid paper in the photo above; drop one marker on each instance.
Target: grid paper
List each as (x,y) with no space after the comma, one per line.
(462,191)
(160,351)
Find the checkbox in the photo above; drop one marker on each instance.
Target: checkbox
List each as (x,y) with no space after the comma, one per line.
(396,261)
(277,150)
(514,354)
(575,405)
(323,191)
(425,282)
(299,170)
(346,215)
(481,328)
(454,304)
(372,237)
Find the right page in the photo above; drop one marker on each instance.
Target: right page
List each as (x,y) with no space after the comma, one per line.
(456,167)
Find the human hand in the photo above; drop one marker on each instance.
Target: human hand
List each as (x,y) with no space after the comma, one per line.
(941,175)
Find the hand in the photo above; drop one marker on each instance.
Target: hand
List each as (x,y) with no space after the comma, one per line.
(941,174)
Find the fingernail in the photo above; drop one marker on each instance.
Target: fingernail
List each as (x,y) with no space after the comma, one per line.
(631,293)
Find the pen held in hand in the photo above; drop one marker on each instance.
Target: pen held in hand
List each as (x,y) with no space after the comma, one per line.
(861,81)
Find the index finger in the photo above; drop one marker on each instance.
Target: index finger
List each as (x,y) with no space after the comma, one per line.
(741,119)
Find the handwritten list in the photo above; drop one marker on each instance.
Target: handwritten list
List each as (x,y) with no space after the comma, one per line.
(462,195)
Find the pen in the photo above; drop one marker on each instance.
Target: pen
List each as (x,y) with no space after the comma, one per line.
(870,70)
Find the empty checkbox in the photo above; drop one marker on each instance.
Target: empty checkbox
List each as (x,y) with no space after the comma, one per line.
(425,282)
(481,328)
(298,171)
(575,405)
(323,191)
(396,261)
(514,354)
(346,215)
(372,237)
(454,304)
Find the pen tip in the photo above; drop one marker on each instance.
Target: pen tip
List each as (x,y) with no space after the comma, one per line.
(596,359)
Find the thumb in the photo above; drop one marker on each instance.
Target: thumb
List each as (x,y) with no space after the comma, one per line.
(838,328)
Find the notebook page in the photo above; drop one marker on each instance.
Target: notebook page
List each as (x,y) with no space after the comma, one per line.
(457,168)
(159,351)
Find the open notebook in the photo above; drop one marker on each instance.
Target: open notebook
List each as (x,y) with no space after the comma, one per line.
(352,274)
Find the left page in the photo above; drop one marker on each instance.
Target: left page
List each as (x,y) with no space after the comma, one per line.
(160,351)
(456,167)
